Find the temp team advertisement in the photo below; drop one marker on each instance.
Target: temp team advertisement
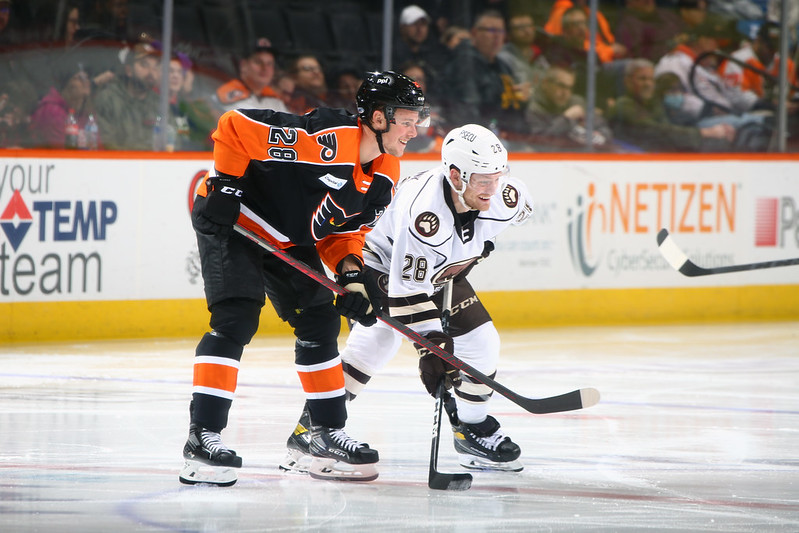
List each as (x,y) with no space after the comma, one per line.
(95,229)
(107,229)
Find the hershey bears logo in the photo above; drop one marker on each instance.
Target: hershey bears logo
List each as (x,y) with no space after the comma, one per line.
(427,224)
(329,144)
(510,196)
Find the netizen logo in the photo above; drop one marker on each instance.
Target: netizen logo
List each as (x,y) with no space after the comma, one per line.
(16,220)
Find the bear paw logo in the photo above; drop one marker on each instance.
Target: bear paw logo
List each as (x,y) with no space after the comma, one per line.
(510,196)
(427,224)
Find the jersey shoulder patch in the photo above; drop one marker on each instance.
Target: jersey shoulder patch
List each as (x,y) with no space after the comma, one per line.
(431,220)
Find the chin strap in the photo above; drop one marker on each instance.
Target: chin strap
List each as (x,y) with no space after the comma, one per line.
(379,135)
(459,192)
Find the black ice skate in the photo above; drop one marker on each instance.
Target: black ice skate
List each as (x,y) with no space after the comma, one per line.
(208,460)
(338,457)
(484,446)
(298,456)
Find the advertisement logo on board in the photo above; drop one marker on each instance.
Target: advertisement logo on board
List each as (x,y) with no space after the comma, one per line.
(42,249)
(605,224)
(776,221)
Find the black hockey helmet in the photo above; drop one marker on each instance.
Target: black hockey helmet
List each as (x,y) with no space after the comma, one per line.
(387,91)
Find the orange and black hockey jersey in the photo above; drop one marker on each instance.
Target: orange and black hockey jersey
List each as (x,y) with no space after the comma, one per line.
(302,179)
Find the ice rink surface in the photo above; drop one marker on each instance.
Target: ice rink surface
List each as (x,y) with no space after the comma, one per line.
(697,430)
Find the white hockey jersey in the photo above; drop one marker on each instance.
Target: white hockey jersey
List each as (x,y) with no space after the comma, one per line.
(421,241)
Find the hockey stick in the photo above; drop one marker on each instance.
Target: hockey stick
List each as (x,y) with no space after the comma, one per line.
(435,479)
(576,399)
(680,262)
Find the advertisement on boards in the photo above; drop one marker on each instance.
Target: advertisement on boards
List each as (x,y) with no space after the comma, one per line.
(108,229)
(96,229)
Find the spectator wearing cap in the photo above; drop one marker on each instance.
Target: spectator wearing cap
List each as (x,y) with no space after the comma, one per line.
(763,55)
(127,107)
(71,92)
(253,88)
(415,43)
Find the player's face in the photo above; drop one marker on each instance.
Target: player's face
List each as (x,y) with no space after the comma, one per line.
(480,190)
(402,130)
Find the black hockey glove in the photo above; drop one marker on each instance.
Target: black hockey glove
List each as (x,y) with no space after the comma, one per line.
(362,302)
(223,202)
(432,368)
(488,247)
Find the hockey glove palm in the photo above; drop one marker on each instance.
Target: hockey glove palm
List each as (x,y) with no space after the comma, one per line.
(432,368)
(223,202)
(362,301)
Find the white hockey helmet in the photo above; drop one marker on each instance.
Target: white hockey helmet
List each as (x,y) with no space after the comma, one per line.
(473,149)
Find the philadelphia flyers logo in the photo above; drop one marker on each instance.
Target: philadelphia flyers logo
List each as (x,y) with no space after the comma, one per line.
(510,196)
(326,217)
(427,224)
(329,144)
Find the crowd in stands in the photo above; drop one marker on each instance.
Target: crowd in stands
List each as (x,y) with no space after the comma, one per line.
(670,75)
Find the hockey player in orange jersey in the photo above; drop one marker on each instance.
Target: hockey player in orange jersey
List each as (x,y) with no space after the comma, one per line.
(312,185)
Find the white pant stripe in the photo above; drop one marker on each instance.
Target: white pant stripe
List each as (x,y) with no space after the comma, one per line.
(213,392)
(319,366)
(213,360)
(324,395)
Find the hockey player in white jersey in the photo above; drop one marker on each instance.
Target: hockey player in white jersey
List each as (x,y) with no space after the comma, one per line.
(439,225)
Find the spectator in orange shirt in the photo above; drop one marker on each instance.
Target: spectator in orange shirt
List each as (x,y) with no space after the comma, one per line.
(762,55)
(607,48)
(253,88)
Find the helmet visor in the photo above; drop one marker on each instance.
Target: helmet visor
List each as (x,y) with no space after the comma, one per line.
(488,183)
(422,121)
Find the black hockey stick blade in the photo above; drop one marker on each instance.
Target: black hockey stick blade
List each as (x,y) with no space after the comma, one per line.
(679,260)
(440,480)
(570,401)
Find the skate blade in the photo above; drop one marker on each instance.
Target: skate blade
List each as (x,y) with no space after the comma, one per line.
(478,463)
(296,462)
(331,469)
(197,473)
